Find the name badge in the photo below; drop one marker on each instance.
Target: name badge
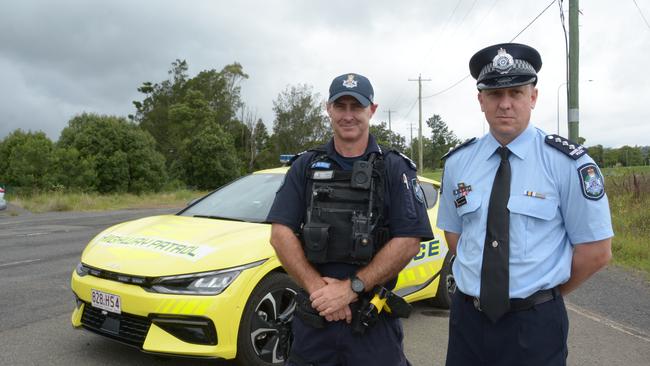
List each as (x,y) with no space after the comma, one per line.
(323,174)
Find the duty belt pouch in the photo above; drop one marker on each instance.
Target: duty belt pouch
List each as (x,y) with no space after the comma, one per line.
(316,237)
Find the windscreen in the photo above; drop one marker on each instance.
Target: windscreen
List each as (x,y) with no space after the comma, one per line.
(246,199)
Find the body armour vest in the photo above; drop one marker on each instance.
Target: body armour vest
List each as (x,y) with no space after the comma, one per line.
(344,220)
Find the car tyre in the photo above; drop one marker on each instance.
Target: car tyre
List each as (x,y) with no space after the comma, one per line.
(265,329)
(446,285)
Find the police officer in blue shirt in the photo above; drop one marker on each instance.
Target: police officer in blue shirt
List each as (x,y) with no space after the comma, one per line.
(348,217)
(526,214)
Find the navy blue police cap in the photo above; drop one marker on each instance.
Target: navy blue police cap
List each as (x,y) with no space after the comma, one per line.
(505,65)
(355,85)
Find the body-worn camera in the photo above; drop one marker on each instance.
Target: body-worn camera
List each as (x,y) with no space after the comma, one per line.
(361,174)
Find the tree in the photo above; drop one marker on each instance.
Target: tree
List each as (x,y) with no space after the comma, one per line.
(209,159)
(25,160)
(123,155)
(175,110)
(630,156)
(441,139)
(597,153)
(299,120)
(427,153)
(387,138)
(72,171)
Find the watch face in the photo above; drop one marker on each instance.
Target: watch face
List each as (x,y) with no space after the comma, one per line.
(357,285)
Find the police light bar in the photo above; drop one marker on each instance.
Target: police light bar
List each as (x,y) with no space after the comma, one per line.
(285,158)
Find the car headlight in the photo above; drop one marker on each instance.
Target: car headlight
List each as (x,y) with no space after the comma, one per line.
(81,269)
(205,283)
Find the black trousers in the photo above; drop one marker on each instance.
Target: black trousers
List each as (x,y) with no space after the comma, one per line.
(533,337)
(336,345)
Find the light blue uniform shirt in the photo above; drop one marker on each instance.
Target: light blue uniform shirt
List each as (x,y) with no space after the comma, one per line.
(543,228)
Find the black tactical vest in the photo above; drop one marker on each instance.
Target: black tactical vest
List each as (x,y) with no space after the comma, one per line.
(344,220)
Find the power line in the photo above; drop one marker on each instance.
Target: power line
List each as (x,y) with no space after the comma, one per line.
(533,21)
(411,108)
(641,13)
(480,23)
(448,88)
(442,33)
(466,76)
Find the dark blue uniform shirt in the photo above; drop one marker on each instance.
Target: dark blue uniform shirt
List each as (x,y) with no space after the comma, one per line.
(404,212)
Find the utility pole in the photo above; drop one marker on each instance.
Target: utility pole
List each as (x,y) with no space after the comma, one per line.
(389,126)
(420,80)
(574,58)
(411,142)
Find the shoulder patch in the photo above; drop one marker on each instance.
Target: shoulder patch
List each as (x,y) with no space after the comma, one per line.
(566,146)
(458,147)
(592,182)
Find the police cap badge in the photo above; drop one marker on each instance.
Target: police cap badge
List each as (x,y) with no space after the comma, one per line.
(355,85)
(505,65)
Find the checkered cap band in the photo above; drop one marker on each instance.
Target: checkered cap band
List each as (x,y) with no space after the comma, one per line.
(520,67)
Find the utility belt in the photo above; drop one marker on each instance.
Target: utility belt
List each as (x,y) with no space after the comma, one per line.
(365,311)
(527,303)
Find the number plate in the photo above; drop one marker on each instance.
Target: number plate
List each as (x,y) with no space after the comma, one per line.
(106,301)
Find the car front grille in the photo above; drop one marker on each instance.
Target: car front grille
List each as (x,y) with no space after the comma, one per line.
(126,328)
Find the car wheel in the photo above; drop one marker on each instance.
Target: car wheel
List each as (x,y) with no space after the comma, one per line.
(447,283)
(265,329)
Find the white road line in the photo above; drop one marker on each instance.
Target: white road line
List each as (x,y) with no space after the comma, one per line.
(608,322)
(32,234)
(19,262)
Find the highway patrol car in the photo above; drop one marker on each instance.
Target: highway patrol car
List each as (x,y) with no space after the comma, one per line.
(206,283)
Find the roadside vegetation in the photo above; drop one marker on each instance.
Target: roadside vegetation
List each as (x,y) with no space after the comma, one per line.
(628,189)
(59,201)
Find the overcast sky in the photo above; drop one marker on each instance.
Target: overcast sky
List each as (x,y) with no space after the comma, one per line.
(61,58)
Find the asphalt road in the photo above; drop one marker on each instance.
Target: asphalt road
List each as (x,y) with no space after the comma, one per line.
(610,315)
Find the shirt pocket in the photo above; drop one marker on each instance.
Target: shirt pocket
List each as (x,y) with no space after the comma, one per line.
(472,235)
(530,219)
(469,212)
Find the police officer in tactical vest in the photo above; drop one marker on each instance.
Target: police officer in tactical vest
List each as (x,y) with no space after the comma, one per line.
(348,217)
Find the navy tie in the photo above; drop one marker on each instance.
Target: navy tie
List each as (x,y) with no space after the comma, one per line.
(495,297)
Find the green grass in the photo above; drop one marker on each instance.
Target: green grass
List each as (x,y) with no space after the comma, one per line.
(58,201)
(432,174)
(628,190)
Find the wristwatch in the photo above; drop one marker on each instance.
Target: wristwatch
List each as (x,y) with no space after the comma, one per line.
(357,285)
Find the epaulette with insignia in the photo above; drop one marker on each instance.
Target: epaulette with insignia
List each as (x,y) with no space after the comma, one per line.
(293,158)
(408,160)
(458,147)
(566,146)
(385,150)
(319,149)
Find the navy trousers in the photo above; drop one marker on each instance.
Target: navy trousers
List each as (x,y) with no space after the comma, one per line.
(537,336)
(336,345)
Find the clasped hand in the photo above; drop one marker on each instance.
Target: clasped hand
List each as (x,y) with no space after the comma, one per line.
(332,301)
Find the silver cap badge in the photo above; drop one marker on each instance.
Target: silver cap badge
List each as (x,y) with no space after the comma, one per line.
(350,82)
(503,61)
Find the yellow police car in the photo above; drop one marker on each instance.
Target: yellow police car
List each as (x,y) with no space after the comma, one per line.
(206,282)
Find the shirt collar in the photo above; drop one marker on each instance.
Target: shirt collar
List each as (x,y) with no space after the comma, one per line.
(519,146)
(372,147)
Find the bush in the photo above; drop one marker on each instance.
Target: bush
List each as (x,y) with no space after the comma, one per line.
(114,155)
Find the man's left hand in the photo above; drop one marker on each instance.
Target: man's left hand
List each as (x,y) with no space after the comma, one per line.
(335,296)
